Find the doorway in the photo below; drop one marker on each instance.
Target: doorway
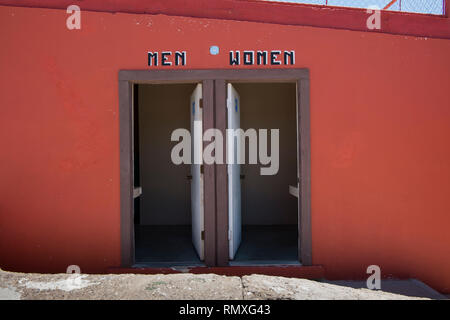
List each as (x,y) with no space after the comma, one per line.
(168,206)
(263,214)
(215,235)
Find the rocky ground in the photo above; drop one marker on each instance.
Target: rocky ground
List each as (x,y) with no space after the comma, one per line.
(175,286)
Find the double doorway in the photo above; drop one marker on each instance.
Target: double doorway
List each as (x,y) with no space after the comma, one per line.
(234,212)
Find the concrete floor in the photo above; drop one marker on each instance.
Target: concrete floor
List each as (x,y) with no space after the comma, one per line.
(272,244)
(172,245)
(24,286)
(165,245)
(408,287)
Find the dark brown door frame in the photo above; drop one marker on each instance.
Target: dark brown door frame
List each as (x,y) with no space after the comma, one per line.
(215,183)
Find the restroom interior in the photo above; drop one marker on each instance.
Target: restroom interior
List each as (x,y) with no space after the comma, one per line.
(269,212)
(162,213)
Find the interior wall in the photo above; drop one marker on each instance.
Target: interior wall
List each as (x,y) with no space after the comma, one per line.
(266,199)
(165,198)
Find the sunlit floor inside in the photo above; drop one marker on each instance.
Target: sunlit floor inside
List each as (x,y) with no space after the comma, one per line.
(267,245)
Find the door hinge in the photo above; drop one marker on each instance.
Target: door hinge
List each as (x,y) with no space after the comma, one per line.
(137,191)
(202,170)
(203,235)
(200,103)
(230,234)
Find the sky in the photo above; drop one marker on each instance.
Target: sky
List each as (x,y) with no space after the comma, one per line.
(418,6)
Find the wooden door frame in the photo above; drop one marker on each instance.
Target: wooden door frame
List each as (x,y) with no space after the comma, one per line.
(215,176)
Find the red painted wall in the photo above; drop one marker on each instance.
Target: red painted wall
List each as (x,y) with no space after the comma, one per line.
(284,13)
(380,131)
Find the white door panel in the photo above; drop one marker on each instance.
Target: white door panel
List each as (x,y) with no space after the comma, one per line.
(197,208)
(234,174)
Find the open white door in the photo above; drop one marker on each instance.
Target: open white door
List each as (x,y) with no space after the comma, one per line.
(234,173)
(197,208)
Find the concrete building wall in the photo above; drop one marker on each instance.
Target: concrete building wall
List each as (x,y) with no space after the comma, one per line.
(380,130)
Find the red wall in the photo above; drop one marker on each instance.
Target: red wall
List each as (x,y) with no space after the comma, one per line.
(380,136)
(284,13)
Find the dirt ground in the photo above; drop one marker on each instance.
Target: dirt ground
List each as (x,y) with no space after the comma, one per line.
(24,286)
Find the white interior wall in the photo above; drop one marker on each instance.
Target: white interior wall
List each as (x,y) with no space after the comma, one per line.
(266,199)
(166,190)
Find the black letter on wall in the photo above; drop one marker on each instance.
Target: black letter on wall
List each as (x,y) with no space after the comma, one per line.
(164,56)
(234,60)
(273,57)
(182,56)
(261,57)
(153,56)
(291,56)
(248,57)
